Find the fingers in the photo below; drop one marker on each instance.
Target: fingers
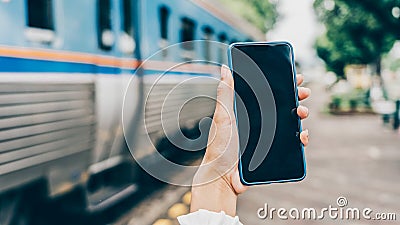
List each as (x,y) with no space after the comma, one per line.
(302,112)
(227,81)
(299,79)
(303,93)
(225,96)
(304,137)
(225,91)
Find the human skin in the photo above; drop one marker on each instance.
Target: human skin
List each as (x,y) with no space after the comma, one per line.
(216,184)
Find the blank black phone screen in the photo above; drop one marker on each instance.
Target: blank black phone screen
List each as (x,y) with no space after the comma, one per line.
(266,103)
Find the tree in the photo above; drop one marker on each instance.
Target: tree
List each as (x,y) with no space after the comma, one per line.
(354,34)
(261,13)
(383,10)
(331,55)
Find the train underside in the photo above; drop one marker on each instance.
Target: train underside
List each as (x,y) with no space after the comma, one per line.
(62,135)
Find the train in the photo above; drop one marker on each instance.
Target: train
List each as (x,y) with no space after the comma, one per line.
(68,67)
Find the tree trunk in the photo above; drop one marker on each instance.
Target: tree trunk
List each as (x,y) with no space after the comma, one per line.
(378,66)
(378,72)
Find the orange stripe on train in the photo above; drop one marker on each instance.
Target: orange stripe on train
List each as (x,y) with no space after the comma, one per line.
(65,56)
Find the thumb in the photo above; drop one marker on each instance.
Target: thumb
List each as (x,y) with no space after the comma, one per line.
(225,96)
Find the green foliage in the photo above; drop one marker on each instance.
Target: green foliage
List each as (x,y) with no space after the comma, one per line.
(356,99)
(332,56)
(382,10)
(354,34)
(261,13)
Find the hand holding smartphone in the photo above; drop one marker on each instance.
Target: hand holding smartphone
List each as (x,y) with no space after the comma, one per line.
(266,101)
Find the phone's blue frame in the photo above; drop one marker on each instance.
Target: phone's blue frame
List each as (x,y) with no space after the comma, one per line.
(297,105)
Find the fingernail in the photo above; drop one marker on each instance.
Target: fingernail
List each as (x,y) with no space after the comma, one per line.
(304,109)
(308,90)
(223,72)
(307,132)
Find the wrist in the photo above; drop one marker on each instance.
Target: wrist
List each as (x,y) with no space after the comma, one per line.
(215,196)
(213,192)
(209,175)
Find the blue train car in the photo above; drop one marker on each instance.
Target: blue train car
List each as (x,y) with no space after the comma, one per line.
(65,66)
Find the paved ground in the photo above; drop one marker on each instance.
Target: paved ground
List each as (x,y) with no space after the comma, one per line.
(351,156)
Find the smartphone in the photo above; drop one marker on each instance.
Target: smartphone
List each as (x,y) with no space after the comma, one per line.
(266,101)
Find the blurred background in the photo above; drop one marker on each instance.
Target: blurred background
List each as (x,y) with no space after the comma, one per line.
(67,68)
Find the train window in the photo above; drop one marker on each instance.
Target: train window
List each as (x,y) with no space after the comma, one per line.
(164,16)
(208,33)
(40,14)
(222,37)
(187,33)
(126,42)
(105,36)
(222,51)
(128,18)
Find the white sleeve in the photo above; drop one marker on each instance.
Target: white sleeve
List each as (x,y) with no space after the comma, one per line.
(205,217)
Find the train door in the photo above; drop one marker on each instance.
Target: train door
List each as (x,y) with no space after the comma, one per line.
(112,172)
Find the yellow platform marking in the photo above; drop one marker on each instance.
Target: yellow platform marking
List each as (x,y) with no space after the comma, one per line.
(187,198)
(177,210)
(163,222)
